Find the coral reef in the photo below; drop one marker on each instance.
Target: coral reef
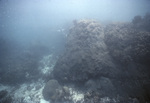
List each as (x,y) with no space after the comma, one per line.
(130,49)
(124,41)
(86,54)
(107,61)
(100,64)
(142,23)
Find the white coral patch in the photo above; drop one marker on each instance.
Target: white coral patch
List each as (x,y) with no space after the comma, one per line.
(30,93)
(76,95)
(47,64)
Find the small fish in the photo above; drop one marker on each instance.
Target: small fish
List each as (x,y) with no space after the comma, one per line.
(60,30)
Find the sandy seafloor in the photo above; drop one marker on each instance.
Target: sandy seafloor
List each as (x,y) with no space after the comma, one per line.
(32,92)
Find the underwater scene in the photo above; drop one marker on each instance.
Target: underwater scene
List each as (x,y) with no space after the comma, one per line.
(74,51)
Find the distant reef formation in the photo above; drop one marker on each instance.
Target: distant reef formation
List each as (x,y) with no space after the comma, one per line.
(108,60)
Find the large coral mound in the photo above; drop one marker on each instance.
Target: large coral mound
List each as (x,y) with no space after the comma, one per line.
(111,60)
(86,54)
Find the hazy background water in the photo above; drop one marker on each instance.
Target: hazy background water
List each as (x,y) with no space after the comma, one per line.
(30,22)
